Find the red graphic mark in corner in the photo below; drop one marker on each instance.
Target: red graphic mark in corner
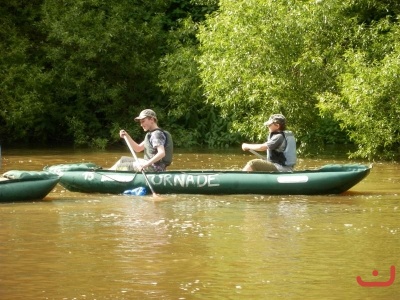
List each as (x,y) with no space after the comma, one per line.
(378,283)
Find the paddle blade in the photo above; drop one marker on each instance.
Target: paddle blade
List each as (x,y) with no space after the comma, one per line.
(140,191)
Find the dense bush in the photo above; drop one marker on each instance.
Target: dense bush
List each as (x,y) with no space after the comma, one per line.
(76,72)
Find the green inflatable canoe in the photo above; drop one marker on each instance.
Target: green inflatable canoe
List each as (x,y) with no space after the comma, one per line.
(18,185)
(329,179)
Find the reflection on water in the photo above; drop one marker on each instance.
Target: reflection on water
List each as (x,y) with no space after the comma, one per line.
(81,246)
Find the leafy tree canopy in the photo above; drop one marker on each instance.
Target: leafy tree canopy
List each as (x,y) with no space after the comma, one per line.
(302,59)
(214,70)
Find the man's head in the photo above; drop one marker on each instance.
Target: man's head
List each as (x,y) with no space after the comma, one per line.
(276,122)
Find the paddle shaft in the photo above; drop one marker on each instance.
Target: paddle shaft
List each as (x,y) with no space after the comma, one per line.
(137,160)
(258,154)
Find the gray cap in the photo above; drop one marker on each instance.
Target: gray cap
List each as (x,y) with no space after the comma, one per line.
(277,118)
(146,113)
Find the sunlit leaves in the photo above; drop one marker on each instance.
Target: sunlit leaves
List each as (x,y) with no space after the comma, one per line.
(369,104)
(255,61)
(312,61)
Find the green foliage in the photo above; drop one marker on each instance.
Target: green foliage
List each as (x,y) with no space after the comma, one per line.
(256,60)
(98,51)
(367,103)
(78,71)
(178,77)
(199,124)
(298,58)
(89,61)
(23,107)
(98,143)
(196,10)
(219,133)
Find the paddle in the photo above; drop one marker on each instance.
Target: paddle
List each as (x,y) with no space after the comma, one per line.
(137,160)
(258,154)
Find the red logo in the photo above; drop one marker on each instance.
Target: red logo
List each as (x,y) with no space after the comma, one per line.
(378,283)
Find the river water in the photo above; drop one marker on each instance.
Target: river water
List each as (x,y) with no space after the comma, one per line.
(92,246)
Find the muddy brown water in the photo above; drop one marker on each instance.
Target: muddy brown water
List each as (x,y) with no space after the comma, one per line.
(92,246)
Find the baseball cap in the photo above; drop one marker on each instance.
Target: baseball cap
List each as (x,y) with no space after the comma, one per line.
(146,113)
(276,118)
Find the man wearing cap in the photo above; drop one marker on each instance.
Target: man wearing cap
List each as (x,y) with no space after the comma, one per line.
(157,146)
(280,147)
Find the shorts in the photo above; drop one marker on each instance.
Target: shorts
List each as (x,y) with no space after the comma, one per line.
(130,164)
(267,166)
(262,165)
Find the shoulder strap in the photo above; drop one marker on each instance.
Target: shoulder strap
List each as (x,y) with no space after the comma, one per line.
(284,135)
(169,146)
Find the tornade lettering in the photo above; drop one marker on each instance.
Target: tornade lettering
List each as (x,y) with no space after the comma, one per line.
(185,180)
